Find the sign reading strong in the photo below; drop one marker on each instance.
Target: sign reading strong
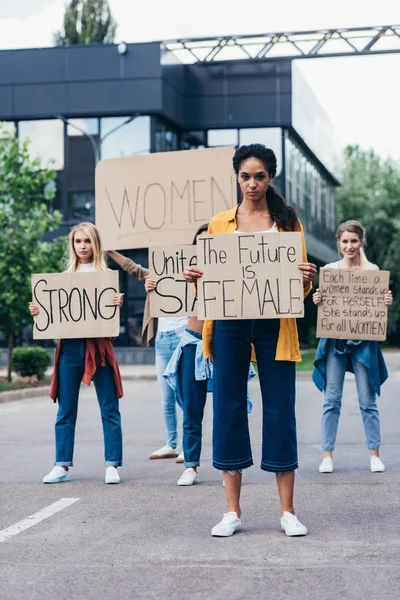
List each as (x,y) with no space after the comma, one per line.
(161,199)
(75,305)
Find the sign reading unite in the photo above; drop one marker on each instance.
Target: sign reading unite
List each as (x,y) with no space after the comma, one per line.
(250,276)
(153,199)
(75,305)
(352,306)
(173,295)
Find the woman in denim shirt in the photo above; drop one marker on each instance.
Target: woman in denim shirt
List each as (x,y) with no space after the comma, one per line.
(363,358)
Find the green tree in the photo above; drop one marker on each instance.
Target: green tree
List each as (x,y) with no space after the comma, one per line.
(87,22)
(371,194)
(25,216)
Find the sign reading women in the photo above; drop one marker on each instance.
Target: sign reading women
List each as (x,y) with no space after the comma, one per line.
(75,305)
(250,276)
(156,199)
(353,306)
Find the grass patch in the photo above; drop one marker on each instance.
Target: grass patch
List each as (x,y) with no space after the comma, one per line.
(19,384)
(307,363)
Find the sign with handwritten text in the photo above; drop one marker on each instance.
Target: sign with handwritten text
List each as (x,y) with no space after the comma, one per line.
(352,306)
(173,295)
(161,199)
(75,305)
(250,276)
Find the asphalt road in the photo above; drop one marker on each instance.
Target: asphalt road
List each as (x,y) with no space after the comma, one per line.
(148,538)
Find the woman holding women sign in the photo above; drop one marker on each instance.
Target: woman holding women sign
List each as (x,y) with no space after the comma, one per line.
(229,344)
(363,358)
(85,360)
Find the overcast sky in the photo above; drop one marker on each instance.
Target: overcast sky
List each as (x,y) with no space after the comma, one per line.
(360,95)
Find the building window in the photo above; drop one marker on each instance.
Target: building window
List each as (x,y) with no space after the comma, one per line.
(81,205)
(310,192)
(122,137)
(47,141)
(222,137)
(7,127)
(82,127)
(191,140)
(166,137)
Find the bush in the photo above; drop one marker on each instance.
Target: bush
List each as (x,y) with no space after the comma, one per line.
(30,361)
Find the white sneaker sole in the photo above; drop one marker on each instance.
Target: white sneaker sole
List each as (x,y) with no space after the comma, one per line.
(228,534)
(58,480)
(325,470)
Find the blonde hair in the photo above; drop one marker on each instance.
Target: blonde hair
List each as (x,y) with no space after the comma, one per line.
(93,234)
(358,229)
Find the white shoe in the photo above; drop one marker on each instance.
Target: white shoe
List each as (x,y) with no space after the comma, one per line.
(57,475)
(164,452)
(291,525)
(180,458)
(112,475)
(189,477)
(326,466)
(228,526)
(377,465)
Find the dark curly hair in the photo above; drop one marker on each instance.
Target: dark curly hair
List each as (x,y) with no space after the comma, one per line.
(200,230)
(283,214)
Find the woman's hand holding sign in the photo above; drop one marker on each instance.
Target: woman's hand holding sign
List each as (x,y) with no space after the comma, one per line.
(309,271)
(191,274)
(118,300)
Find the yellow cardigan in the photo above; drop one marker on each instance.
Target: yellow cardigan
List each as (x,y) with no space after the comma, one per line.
(287,347)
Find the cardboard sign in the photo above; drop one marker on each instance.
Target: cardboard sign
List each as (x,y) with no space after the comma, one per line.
(162,198)
(75,305)
(250,276)
(173,295)
(352,306)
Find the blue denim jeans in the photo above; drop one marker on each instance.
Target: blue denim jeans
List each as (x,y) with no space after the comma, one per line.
(70,372)
(231,440)
(335,372)
(194,395)
(165,345)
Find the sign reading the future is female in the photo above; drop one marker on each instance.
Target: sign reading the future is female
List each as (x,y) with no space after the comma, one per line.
(250,276)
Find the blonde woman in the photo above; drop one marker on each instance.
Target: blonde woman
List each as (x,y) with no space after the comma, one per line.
(363,358)
(85,360)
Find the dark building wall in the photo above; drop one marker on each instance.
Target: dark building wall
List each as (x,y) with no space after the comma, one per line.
(238,95)
(80,81)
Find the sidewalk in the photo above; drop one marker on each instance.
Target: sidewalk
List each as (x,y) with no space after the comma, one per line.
(148,373)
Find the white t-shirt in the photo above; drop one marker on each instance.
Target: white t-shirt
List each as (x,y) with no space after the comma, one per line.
(85,268)
(273,229)
(336,265)
(171,323)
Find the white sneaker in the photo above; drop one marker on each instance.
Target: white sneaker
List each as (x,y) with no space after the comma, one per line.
(57,475)
(227,527)
(112,475)
(326,466)
(377,465)
(180,458)
(164,452)
(291,525)
(189,477)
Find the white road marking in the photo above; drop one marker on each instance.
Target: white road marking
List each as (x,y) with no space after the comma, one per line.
(45,513)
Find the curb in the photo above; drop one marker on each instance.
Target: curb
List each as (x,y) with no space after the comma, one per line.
(37,392)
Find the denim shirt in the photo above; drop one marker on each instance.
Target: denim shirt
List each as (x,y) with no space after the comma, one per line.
(366,352)
(203,367)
